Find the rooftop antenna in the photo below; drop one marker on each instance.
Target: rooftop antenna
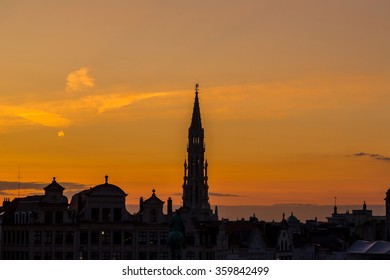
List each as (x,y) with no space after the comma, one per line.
(19,180)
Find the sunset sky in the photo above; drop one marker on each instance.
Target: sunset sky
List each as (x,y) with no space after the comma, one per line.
(294,97)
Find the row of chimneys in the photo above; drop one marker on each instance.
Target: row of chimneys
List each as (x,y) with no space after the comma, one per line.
(6,203)
(169,206)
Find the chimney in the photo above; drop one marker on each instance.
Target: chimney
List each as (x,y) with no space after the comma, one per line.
(169,206)
(141,204)
(6,203)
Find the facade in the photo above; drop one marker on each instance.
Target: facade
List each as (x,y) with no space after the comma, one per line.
(39,227)
(360,223)
(95,224)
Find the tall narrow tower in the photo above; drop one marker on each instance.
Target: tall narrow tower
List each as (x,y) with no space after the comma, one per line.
(195,186)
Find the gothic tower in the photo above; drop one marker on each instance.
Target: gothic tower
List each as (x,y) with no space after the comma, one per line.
(195,186)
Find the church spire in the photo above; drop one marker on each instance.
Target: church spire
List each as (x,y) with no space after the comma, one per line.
(196,122)
(195,187)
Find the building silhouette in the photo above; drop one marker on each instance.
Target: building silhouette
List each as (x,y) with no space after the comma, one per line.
(95,224)
(195,187)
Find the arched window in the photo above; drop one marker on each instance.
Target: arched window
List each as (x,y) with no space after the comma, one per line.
(30,217)
(23,219)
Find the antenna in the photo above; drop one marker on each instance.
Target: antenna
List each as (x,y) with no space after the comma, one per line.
(19,180)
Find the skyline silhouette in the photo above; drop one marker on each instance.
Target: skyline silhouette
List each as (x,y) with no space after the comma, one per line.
(96,224)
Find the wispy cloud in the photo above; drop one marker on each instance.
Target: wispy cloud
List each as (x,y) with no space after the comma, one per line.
(224,194)
(295,204)
(62,112)
(14,114)
(214,194)
(109,102)
(249,101)
(373,156)
(8,185)
(79,80)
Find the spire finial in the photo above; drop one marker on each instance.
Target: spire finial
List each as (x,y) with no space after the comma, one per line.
(153,191)
(54,179)
(106,179)
(196,88)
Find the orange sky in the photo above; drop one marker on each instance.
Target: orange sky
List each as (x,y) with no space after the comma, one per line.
(294,97)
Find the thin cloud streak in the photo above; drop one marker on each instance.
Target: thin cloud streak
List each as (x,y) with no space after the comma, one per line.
(8,185)
(373,156)
(16,115)
(215,194)
(224,194)
(75,110)
(105,103)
